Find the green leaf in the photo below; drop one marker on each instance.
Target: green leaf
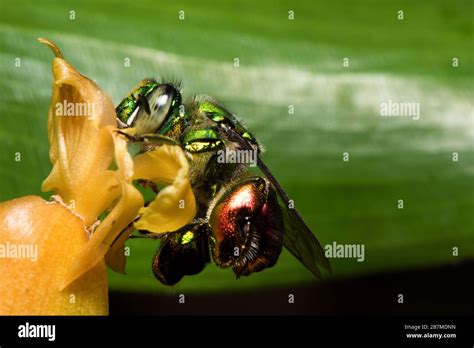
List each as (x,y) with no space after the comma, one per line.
(282,62)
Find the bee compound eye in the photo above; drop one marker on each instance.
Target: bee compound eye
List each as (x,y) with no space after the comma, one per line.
(154,109)
(162,102)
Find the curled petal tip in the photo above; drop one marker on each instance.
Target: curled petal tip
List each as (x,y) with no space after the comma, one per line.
(51,45)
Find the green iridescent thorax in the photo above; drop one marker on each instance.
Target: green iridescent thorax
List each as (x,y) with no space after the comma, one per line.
(125,109)
(220,115)
(200,140)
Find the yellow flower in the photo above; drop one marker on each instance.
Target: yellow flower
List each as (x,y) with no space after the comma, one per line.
(69,275)
(47,236)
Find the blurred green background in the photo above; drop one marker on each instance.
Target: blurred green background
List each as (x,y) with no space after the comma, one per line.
(282,62)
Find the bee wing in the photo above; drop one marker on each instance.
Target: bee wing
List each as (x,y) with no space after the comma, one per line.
(301,242)
(298,238)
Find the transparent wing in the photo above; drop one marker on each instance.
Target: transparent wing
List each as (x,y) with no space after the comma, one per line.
(298,238)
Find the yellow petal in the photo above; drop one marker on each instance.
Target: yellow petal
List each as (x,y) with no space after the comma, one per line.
(30,286)
(115,257)
(108,232)
(175,205)
(81,148)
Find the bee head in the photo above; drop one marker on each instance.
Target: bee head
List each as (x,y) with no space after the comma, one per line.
(154,107)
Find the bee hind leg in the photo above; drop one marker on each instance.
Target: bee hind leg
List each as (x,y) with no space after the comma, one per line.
(181,253)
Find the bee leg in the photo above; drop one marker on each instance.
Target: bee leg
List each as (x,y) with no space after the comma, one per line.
(183,252)
(153,139)
(142,233)
(158,139)
(246,226)
(128,230)
(145,234)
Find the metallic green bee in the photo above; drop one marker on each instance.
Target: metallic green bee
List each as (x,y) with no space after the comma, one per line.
(242,221)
